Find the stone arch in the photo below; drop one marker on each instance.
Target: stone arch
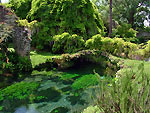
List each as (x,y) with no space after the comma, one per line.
(20,36)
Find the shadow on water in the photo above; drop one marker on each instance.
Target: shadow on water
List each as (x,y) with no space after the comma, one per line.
(84,68)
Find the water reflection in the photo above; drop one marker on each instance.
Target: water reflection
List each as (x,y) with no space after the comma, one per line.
(24,109)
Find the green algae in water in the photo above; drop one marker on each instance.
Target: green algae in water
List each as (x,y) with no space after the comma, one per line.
(66,76)
(50,94)
(60,110)
(85,81)
(20,90)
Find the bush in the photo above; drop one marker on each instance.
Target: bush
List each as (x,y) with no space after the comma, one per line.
(94,43)
(147,49)
(107,45)
(66,43)
(115,46)
(16,64)
(124,31)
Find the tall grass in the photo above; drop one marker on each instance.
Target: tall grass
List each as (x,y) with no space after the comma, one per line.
(129,93)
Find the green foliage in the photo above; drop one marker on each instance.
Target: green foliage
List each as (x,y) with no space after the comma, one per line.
(25,23)
(131,12)
(85,81)
(56,17)
(10,62)
(66,43)
(147,29)
(16,64)
(124,31)
(20,7)
(115,46)
(147,49)
(94,42)
(93,109)
(67,76)
(127,94)
(18,91)
(5,36)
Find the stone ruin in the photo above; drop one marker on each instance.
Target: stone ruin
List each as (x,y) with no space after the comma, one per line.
(20,36)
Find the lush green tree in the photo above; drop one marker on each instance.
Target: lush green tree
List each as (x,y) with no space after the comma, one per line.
(110,12)
(55,17)
(103,8)
(20,7)
(133,12)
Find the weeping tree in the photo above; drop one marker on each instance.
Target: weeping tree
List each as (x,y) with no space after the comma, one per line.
(55,17)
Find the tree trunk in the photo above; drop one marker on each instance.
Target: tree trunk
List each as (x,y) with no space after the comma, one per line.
(110,26)
(131,19)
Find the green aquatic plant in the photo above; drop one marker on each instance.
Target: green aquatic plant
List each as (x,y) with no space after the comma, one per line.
(19,91)
(85,81)
(66,76)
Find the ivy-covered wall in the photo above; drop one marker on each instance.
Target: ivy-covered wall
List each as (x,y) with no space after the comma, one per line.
(11,62)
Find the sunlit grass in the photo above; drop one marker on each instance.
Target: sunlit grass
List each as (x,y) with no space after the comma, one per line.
(134,64)
(40,57)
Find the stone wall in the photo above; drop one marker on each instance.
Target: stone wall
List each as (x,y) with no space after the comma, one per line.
(20,36)
(145,35)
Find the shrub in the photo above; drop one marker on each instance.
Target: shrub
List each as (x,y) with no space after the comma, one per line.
(16,64)
(118,46)
(147,49)
(107,45)
(124,31)
(94,43)
(66,43)
(115,46)
(147,29)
